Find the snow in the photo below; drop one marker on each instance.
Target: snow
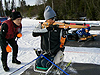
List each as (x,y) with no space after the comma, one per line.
(26,53)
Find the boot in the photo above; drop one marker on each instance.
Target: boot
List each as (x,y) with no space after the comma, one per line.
(5,67)
(14,60)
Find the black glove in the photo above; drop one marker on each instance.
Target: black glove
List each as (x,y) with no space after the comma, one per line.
(62,49)
(38,51)
(55,27)
(64,32)
(49,28)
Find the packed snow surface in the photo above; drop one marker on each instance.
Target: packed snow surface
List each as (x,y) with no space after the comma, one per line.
(26,53)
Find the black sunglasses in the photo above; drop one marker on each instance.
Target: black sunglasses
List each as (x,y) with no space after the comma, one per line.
(53,18)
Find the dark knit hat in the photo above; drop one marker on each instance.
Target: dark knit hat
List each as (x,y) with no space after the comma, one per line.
(15,15)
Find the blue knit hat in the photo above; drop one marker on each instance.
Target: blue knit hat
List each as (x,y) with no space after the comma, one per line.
(88,28)
(49,13)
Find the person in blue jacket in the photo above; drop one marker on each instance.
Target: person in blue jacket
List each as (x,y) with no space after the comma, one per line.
(84,32)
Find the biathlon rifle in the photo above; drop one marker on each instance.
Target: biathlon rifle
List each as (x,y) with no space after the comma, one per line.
(62,25)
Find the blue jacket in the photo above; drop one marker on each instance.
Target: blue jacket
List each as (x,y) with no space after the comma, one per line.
(82,32)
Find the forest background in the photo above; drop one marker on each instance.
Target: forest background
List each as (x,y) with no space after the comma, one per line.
(65,9)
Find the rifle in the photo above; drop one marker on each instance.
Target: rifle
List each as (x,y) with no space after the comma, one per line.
(62,25)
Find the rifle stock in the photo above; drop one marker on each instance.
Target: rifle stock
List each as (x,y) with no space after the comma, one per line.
(62,25)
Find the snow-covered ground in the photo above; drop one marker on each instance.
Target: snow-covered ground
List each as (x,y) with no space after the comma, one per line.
(26,53)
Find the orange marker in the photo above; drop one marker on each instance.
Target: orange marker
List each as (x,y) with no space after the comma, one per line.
(8,48)
(19,35)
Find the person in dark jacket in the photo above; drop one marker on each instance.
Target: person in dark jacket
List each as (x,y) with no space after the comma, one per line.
(10,30)
(50,38)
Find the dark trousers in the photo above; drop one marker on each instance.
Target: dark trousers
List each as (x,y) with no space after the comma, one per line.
(14,46)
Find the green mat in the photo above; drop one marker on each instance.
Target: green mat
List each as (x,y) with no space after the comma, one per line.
(41,68)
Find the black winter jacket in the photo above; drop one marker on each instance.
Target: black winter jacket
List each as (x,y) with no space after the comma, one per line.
(50,38)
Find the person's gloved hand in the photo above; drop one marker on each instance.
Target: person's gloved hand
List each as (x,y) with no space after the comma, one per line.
(8,48)
(52,27)
(38,51)
(55,26)
(62,49)
(49,28)
(19,35)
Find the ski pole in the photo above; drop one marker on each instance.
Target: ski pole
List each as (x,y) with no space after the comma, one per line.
(68,64)
(24,65)
(54,64)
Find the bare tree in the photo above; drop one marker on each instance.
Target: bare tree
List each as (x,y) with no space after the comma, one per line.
(44,1)
(38,2)
(23,4)
(1,9)
(12,5)
(9,1)
(19,3)
(7,4)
